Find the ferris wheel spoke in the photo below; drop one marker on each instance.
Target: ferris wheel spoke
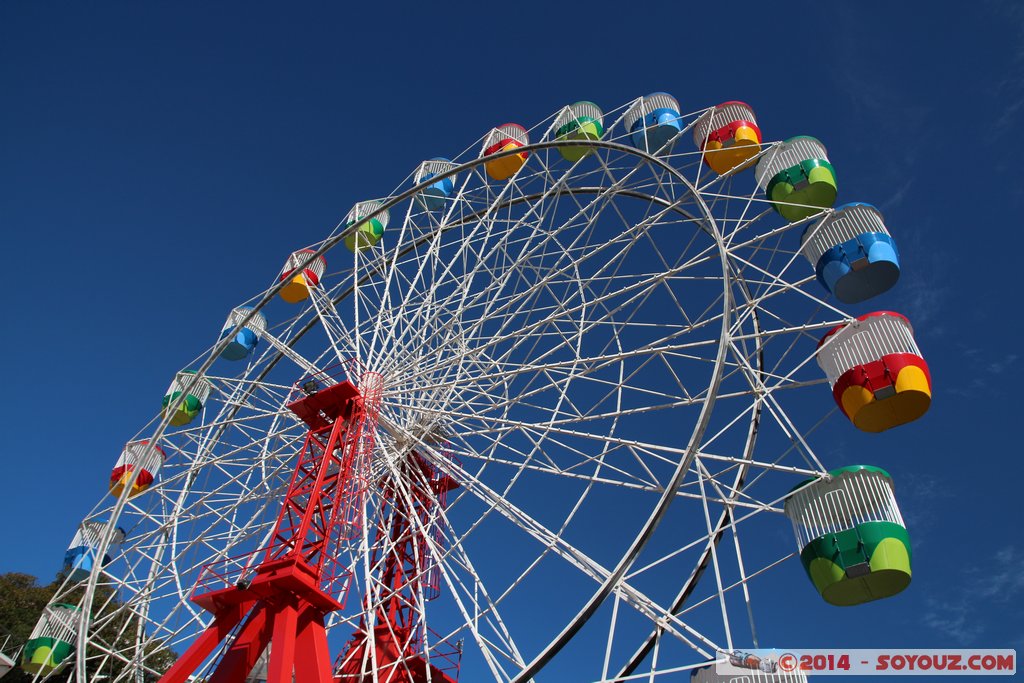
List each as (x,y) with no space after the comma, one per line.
(556,544)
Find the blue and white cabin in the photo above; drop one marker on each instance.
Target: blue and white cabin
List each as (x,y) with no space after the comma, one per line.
(853,253)
(653,122)
(82,554)
(245,340)
(436,195)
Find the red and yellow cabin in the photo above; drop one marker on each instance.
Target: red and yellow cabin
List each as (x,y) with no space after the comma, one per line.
(505,138)
(141,456)
(299,284)
(879,378)
(728,135)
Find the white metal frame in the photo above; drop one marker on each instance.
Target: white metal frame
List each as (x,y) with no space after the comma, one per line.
(544,326)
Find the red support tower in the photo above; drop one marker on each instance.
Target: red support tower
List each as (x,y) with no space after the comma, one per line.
(393,647)
(283,600)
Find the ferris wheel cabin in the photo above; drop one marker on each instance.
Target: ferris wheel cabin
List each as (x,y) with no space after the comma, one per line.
(505,138)
(580,121)
(141,456)
(52,641)
(195,390)
(653,122)
(367,232)
(298,285)
(709,673)
(245,340)
(797,178)
(436,195)
(879,378)
(728,135)
(81,555)
(853,254)
(853,542)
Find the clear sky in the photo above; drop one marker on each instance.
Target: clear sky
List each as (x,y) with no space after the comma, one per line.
(157,160)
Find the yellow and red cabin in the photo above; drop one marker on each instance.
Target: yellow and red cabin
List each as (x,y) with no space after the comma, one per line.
(728,135)
(879,378)
(136,455)
(299,283)
(505,138)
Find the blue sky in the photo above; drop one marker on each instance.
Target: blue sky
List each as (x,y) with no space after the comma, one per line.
(157,161)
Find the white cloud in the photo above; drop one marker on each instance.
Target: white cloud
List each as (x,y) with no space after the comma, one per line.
(966,613)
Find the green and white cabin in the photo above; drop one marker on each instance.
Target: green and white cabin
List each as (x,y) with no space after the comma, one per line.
(367,232)
(797,178)
(197,391)
(581,121)
(52,642)
(852,538)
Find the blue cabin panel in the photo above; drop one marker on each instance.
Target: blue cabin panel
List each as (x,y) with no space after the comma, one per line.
(79,561)
(653,131)
(861,268)
(434,197)
(241,346)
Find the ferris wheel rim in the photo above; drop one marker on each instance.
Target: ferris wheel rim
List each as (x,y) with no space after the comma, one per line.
(723,255)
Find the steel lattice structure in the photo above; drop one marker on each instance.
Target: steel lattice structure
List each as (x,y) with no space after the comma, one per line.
(597,378)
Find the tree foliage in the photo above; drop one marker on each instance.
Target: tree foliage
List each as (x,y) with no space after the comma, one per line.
(22,601)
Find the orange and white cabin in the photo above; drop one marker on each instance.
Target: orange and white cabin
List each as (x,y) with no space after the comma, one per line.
(879,378)
(299,283)
(505,138)
(136,455)
(728,135)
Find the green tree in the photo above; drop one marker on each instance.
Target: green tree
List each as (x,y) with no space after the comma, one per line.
(22,601)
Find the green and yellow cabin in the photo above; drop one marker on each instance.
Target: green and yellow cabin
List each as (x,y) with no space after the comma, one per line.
(852,539)
(797,178)
(878,376)
(192,390)
(299,282)
(505,138)
(364,233)
(583,121)
(137,467)
(728,135)
(52,642)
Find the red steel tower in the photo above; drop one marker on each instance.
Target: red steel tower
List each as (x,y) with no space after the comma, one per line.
(283,599)
(408,532)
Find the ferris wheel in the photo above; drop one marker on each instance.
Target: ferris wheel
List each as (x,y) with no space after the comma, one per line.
(521,419)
